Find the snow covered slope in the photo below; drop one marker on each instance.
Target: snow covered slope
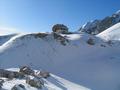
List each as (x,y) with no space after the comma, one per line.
(52,83)
(94,66)
(5,38)
(112,33)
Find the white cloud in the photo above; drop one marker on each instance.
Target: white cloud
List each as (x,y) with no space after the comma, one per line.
(6,30)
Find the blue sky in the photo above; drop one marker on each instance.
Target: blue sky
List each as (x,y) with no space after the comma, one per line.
(41,15)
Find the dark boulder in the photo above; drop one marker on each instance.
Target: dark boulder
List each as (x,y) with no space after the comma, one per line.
(18,87)
(35,82)
(91,41)
(42,74)
(60,28)
(26,70)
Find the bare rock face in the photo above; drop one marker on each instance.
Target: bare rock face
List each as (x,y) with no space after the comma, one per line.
(33,78)
(60,38)
(1,83)
(18,87)
(5,73)
(10,74)
(91,41)
(60,28)
(42,74)
(34,82)
(40,35)
(26,70)
(97,26)
(18,75)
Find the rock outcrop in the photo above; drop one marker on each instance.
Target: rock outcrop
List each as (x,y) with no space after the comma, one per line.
(97,26)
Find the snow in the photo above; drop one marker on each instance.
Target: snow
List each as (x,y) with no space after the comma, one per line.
(92,66)
(88,27)
(97,26)
(112,33)
(5,38)
(52,83)
(118,12)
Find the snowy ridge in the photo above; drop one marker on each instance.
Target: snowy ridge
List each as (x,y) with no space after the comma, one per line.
(113,33)
(97,26)
(5,38)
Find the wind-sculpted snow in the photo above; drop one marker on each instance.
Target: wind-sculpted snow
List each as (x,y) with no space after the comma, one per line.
(94,66)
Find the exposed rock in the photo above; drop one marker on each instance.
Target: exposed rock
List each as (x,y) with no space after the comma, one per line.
(18,75)
(97,26)
(43,74)
(40,35)
(1,83)
(26,70)
(60,38)
(102,45)
(10,74)
(18,87)
(110,42)
(34,82)
(91,41)
(60,28)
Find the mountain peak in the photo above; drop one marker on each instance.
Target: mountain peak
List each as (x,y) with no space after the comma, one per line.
(97,26)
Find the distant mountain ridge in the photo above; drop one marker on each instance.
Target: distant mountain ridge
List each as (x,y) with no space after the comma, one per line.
(97,26)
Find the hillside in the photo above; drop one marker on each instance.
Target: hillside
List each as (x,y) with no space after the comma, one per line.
(113,33)
(68,56)
(5,38)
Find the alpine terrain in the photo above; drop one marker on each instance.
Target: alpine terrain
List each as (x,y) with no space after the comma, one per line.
(75,61)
